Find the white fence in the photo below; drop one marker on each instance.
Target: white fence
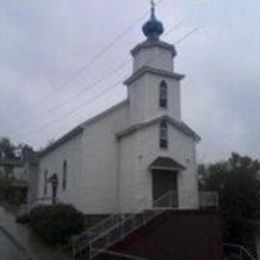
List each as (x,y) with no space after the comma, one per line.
(208,199)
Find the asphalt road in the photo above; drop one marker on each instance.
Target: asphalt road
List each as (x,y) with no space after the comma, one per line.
(8,249)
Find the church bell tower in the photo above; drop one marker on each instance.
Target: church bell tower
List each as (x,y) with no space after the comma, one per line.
(154,87)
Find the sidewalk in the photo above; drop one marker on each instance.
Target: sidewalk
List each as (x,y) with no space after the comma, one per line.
(9,249)
(35,249)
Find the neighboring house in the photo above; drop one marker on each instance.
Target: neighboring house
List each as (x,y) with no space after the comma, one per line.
(12,168)
(21,177)
(125,158)
(13,174)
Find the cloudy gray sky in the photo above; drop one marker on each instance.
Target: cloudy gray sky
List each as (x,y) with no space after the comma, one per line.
(62,62)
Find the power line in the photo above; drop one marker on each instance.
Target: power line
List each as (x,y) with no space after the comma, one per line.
(187,35)
(83,91)
(94,59)
(90,62)
(72,111)
(102,79)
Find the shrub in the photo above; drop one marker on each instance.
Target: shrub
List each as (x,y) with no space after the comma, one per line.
(56,223)
(23,219)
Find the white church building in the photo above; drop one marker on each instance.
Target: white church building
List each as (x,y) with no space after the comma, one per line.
(127,157)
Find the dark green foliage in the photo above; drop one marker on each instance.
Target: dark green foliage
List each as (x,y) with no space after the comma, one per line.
(23,219)
(56,223)
(238,185)
(8,151)
(6,148)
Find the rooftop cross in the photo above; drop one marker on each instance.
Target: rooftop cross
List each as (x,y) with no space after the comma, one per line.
(152,9)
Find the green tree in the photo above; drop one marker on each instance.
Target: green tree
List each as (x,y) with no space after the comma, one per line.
(27,152)
(7,149)
(237,182)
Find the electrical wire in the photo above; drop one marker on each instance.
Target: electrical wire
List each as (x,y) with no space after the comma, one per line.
(88,102)
(94,84)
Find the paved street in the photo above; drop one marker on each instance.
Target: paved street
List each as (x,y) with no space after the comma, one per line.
(8,249)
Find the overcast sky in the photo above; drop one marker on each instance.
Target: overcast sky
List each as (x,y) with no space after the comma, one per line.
(62,62)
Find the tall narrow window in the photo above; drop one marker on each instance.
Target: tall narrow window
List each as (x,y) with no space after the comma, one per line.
(64,179)
(163,94)
(163,135)
(45,188)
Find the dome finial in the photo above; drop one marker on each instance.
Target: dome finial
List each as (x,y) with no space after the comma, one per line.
(153,28)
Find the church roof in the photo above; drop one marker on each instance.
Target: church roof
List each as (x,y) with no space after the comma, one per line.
(147,69)
(185,129)
(74,132)
(78,129)
(161,163)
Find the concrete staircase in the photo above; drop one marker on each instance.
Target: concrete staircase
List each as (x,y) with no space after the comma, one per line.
(138,232)
(182,235)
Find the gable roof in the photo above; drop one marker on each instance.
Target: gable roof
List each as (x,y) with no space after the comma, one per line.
(68,136)
(79,129)
(185,129)
(165,163)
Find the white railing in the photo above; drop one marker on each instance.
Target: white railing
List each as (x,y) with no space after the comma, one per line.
(208,199)
(168,200)
(81,241)
(118,254)
(116,227)
(129,224)
(238,251)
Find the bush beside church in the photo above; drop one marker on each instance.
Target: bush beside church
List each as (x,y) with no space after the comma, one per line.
(56,224)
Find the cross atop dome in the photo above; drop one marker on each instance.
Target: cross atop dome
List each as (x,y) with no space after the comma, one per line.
(152,8)
(153,28)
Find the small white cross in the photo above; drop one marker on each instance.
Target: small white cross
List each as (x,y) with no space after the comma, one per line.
(152,7)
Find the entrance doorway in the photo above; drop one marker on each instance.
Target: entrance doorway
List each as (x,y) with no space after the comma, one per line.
(165,171)
(165,183)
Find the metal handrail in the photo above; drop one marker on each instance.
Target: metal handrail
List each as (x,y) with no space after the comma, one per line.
(104,223)
(121,255)
(125,227)
(81,242)
(115,228)
(241,250)
(168,200)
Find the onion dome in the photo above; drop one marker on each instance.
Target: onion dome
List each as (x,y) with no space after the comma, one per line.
(153,28)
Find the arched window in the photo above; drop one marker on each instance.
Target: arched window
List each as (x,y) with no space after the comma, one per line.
(45,188)
(163,134)
(163,94)
(64,173)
